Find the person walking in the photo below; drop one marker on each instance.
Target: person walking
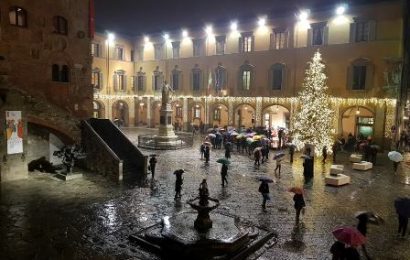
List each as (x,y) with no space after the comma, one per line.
(278,161)
(257,156)
(324,154)
(224,173)
(334,150)
(202,150)
(207,153)
(264,190)
(299,204)
(291,152)
(152,163)
(362,227)
(395,166)
(227,151)
(403,222)
(178,183)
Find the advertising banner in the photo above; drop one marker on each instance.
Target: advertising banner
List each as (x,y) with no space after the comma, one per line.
(14,132)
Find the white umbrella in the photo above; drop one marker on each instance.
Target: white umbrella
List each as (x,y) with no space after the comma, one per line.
(395,156)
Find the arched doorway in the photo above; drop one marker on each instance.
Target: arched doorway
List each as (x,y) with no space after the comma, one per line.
(245,116)
(177,115)
(219,115)
(358,121)
(197,115)
(276,116)
(141,113)
(98,109)
(156,111)
(120,111)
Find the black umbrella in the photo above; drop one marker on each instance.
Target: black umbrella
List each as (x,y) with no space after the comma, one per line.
(402,206)
(180,171)
(370,217)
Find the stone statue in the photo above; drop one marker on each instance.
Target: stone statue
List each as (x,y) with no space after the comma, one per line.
(203,193)
(165,94)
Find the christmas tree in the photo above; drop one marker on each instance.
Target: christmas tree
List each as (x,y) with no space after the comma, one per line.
(312,123)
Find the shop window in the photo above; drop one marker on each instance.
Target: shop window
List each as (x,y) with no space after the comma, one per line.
(18,16)
(60,25)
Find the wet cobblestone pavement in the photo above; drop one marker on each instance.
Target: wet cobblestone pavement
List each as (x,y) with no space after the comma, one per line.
(91,218)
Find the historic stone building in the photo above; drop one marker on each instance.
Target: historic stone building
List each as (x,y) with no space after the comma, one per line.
(45,71)
(249,73)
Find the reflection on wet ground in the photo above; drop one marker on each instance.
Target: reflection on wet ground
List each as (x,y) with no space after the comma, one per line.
(90,218)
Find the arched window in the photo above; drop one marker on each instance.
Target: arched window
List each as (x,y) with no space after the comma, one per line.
(139,81)
(277,75)
(157,79)
(176,78)
(196,78)
(55,72)
(360,74)
(65,74)
(60,25)
(97,78)
(220,78)
(246,76)
(18,16)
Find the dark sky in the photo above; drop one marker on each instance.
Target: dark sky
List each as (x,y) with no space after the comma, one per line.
(136,17)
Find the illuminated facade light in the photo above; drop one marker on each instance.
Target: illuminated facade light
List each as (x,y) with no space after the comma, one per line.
(341,9)
(234,26)
(110,37)
(146,39)
(209,30)
(184,33)
(166,37)
(303,15)
(261,22)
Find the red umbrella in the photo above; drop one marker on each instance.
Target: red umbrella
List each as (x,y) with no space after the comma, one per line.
(296,190)
(349,235)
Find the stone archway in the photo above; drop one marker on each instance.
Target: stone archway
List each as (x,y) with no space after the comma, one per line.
(177,115)
(276,116)
(357,120)
(98,109)
(197,114)
(120,111)
(219,115)
(156,111)
(141,113)
(245,116)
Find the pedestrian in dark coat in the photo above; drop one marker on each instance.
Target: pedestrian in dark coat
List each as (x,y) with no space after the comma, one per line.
(202,150)
(224,173)
(403,222)
(291,152)
(334,150)
(362,227)
(308,164)
(257,156)
(299,205)
(152,164)
(280,136)
(269,133)
(324,154)
(178,183)
(206,153)
(264,190)
(338,251)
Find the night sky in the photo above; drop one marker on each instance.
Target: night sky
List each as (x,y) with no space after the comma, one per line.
(137,17)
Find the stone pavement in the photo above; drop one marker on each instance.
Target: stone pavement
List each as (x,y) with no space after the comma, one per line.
(91,218)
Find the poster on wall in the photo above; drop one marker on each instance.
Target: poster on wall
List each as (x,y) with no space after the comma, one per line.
(14,132)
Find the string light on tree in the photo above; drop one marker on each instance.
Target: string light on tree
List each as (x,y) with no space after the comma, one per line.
(312,123)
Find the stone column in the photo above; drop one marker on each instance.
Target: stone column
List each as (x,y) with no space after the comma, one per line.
(131,112)
(109,109)
(230,112)
(185,123)
(336,118)
(149,108)
(258,112)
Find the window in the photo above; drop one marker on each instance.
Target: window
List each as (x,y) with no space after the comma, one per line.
(196,78)
(119,53)
(277,73)
(279,40)
(18,16)
(197,112)
(157,80)
(96,78)
(132,55)
(140,81)
(220,78)
(158,51)
(246,71)
(96,109)
(198,47)
(140,54)
(359,77)
(178,111)
(217,114)
(175,50)
(120,81)
(175,78)
(317,34)
(220,45)
(362,30)
(60,73)
(60,25)
(95,49)
(246,42)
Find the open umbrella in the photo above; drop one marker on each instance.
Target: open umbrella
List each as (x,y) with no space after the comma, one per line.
(249,140)
(212,135)
(370,216)
(239,136)
(180,171)
(290,145)
(210,130)
(349,235)
(233,133)
(265,179)
(278,155)
(296,190)
(207,143)
(402,206)
(251,134)
(375,147)
(257,149)
(257,137)
(395,156)
(223,161)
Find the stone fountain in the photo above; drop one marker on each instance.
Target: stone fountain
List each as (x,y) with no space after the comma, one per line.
(223,237)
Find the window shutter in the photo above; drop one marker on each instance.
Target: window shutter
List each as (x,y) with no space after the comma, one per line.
(372,30)
(101,78)
(325,35)
(241,44)
(352,32)
(309,37)
(125,83)
(349,77)
(284,77)
(369,76)
(115,82)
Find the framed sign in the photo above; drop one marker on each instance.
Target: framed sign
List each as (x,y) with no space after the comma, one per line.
(14,132)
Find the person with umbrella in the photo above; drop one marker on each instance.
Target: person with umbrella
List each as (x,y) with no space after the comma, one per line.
(264,190)
(152,163)
(365,218)
(257,156)
(278,159)
(228,150)
(396,157)
(202,150)
(291,152)
(402,206)
(298,200)
(224,173)
(178,183)
(206,153)
(348,239)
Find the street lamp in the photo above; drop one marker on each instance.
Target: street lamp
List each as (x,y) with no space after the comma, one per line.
(110,40)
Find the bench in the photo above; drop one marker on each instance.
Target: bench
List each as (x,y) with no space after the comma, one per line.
(337,180)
